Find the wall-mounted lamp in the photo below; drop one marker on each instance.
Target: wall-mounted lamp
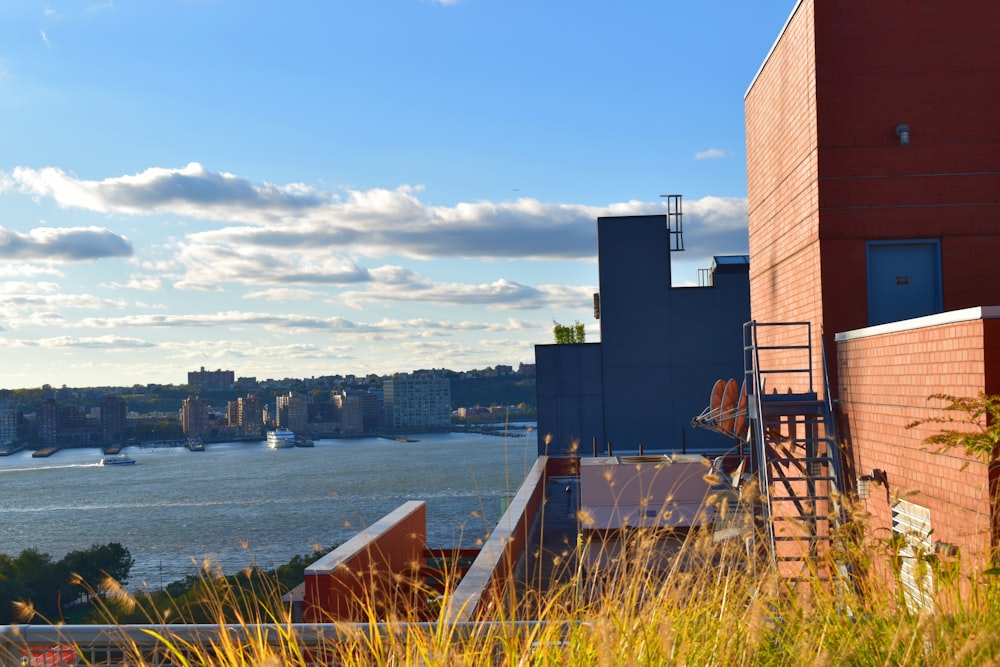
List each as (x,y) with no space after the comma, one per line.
(865,482)
(864,487)
(903,132)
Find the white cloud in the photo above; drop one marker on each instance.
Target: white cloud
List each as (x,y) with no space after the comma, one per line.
(710,154)
(190,191)
(285,322)
(14,305)
(292,240)
(311,225)
(27,269)
(145,283)
(282,294)
(99,342)
(501,294)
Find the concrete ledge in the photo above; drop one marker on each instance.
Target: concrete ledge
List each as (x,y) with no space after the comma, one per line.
(364,540)
(494,566)
(949,317)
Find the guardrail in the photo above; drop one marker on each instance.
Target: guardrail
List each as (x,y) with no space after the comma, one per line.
(165,645)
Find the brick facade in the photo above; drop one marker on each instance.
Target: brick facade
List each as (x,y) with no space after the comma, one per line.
(825,169)
(828,178)
(886,379)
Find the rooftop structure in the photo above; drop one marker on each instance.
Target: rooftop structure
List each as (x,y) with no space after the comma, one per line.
(632,390)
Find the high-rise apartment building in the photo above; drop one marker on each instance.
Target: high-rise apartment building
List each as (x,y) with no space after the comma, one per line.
(113,419)
(48,421)
(194,417)
(359,413)
(414,402)
(249,414)
(292,412)
(8,424)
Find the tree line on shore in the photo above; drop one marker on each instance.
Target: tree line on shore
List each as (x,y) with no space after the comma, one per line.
(32,580)
(35,588)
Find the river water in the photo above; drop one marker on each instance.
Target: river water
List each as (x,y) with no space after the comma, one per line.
(239,504)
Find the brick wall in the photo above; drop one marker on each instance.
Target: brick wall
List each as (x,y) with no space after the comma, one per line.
(377,571)
(826,172)
(782,185)
(885,381)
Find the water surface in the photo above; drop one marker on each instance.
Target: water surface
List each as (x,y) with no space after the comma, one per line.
(242,503)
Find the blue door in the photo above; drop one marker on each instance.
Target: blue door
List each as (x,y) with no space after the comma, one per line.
(904,280)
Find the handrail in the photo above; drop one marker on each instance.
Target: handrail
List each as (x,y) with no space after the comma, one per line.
(755,390)
(112,644)
(833,438)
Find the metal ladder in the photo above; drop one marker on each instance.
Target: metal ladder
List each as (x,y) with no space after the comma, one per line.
(794,450)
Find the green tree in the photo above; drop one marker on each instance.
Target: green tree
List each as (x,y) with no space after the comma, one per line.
(36,572)
(99,561)
(11,591)
(569,334)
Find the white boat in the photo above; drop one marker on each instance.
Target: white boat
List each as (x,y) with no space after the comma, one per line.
(117,460)
(280,439)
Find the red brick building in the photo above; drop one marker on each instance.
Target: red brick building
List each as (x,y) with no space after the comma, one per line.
(873,168)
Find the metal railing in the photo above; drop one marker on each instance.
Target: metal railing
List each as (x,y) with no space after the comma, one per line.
(170,644)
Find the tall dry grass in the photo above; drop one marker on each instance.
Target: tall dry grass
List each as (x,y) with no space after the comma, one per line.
(709,602)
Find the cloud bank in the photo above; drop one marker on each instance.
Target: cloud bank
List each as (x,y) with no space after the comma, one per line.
(296,235)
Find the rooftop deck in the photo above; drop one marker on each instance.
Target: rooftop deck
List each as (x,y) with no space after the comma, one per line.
(551,557)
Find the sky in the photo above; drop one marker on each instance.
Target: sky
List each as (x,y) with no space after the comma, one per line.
(309,188)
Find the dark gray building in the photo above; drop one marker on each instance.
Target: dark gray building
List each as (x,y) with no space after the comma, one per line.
(662,349)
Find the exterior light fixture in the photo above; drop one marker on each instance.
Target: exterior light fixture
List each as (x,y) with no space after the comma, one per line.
(864,487)
(865,482)
(903,132)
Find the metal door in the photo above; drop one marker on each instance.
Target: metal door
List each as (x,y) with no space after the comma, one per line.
(904,280)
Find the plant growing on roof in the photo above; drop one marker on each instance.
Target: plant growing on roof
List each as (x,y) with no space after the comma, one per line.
(569,334)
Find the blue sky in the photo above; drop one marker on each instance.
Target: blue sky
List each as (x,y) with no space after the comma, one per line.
(314,188)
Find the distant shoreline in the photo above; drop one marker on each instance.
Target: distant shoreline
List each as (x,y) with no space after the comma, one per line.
(514,430)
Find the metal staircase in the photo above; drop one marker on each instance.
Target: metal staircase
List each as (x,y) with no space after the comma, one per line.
(794,448)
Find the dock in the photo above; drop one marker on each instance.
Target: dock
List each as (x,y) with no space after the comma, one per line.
(44,452)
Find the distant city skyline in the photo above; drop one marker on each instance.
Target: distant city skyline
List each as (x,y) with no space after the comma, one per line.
(318,189)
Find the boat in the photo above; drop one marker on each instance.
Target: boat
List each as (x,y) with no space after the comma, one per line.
(280,438)
(117,460)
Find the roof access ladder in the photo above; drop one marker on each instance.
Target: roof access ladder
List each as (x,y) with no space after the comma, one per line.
(794,449)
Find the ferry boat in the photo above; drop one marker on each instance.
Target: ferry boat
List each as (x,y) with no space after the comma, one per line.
(280,438)
(117,460)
